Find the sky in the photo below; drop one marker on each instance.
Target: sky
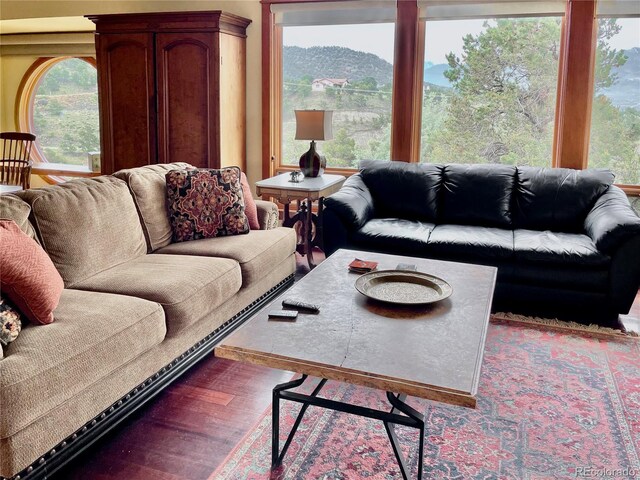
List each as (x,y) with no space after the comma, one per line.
(378,38)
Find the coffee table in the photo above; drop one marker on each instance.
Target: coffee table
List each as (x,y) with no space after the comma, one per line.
(432,352)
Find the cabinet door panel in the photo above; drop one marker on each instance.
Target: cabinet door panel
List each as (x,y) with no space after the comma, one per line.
(188,129)
(127,100)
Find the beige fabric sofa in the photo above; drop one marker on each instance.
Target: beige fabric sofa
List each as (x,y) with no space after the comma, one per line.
(136,311)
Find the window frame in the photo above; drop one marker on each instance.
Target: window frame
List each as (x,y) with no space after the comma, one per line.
(628,189)
(574,93)
(51,172)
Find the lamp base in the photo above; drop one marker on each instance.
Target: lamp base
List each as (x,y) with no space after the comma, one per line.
(312,164)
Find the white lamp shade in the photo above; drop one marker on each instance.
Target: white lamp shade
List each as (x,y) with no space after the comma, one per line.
(314,124)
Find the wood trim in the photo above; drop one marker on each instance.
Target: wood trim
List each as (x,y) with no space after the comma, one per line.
(630,189)
(405,63)
(575,85)
(61,169)
(559,113)
(418,93)
(271,59)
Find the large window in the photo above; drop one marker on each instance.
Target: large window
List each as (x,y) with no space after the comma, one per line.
(347,69)
(615,121)
(490,90)
(60,106)
(474,81)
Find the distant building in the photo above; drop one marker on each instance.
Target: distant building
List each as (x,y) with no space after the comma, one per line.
(319,84)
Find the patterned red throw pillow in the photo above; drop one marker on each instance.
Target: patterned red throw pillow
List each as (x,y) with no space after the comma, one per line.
(205,203)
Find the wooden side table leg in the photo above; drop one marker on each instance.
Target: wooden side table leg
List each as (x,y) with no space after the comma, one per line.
(309,233)
(286,221)
(319,240)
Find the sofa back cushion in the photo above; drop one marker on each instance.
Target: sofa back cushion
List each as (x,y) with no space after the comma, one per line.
(149,190)
(557,199)
(86,225)
(403,190)
(16,209)
(477,195)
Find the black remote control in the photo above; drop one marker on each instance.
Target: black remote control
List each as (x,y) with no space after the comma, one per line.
(283,314)
(301,306)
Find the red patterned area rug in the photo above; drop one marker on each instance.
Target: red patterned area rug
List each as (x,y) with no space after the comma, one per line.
(551,404)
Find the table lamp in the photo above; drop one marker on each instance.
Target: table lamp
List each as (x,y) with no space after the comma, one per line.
(313,125)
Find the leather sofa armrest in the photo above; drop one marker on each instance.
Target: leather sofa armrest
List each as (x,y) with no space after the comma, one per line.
(612,222)
(353,203)
(267,214)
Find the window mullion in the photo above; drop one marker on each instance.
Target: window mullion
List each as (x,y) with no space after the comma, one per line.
(575,85)
(407,86)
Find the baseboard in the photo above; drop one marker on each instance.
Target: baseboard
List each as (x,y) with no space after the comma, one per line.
(107,420)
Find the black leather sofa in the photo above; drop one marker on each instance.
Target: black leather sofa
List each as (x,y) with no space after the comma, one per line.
(566,242)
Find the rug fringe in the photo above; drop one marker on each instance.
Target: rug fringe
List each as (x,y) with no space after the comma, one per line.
(562,324)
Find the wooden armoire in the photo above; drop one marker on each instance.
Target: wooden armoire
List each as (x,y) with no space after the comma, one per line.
(171,88)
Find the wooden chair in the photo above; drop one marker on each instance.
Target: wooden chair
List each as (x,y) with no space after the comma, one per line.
(15,163)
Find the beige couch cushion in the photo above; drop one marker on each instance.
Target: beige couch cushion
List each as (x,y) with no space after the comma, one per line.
(257,252)
(16,209)
(93,335)
(149,190)
(188,288)
(86,225)
(34,441)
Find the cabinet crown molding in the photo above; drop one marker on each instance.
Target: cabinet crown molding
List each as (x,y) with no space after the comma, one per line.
(200,21)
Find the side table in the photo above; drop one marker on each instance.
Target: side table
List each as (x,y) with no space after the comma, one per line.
(307,224)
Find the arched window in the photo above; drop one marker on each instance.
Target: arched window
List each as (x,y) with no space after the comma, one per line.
(58,102)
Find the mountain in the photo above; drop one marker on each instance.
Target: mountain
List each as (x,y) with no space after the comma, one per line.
(434,74)
(626,91)
(334,62)
(341,62)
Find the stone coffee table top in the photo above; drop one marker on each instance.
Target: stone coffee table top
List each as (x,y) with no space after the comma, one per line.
(433,351)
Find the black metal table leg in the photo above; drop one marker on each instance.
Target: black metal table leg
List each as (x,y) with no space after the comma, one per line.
(399,405)
(400,414)
(276,454)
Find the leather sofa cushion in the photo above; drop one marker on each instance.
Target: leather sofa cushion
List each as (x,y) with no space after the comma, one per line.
(557,248)
(256,252)
(477,195)
(16,209)
(148,187)
(471,242)
(187,287)
(353,203)
(611,221)
(395,235)
(86,225)
(403,190)
(93,335)
(556,199)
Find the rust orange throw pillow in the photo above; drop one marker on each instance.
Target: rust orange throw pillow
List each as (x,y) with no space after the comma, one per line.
(27,275)
(250,208)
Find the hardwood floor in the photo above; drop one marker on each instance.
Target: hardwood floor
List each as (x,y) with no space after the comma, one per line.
(191,427)
(188,430)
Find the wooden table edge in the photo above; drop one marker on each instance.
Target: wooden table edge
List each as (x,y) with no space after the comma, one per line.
(345,375)
(482,345)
